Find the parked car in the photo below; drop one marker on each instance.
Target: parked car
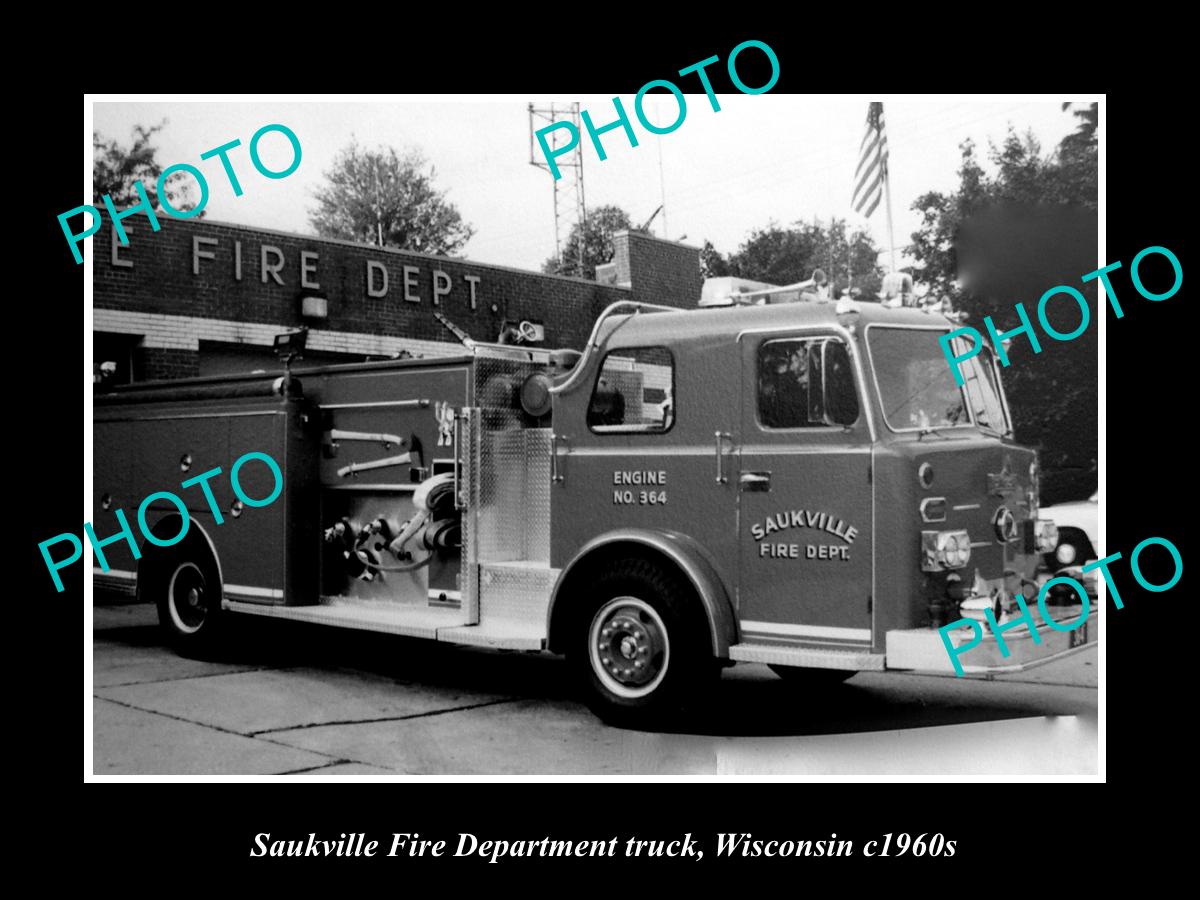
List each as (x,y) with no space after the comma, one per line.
(1078,534)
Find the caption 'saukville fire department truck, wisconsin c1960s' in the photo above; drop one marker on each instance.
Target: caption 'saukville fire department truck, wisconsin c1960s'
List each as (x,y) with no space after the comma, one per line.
(799,484)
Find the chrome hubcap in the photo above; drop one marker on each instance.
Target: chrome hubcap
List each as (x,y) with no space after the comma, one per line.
(185,598)
(629,647)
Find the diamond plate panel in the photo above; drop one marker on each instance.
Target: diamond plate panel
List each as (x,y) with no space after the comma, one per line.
(470,493)
(536,515)
(501,495)
(506,491)
(511,489)
(516,593)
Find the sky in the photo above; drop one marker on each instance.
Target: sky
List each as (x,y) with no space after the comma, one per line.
(760,159)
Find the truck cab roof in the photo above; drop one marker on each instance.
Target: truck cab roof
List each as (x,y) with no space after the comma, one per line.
(730,321)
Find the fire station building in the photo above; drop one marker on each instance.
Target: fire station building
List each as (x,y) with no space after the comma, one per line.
(205,298)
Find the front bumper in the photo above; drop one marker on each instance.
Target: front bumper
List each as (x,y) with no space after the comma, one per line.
(923,650)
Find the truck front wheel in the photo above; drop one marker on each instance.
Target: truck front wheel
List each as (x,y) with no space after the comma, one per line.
(642,645)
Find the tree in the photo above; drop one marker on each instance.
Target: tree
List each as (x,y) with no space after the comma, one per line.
(786,255)
(712,263)
(1008,235)
(381,197)
(596,239)
(117,170)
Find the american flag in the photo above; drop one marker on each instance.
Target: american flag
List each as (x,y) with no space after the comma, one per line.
(872,163)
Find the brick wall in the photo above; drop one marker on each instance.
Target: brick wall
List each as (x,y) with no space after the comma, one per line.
(658,271)
(168,362)
(205,280)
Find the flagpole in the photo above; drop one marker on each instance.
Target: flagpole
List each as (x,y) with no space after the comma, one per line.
(887,190)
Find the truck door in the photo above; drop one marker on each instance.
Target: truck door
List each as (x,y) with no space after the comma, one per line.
(805,541)
(639,452)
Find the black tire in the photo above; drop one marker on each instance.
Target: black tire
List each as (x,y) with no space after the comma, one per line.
(641,648)
(186,589)
(813,678)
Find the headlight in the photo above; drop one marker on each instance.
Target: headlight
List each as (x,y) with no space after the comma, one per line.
(944,550)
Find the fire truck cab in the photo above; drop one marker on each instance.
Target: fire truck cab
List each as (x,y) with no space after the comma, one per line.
(799,484)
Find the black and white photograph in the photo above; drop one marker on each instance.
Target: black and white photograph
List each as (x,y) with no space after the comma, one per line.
(706,430)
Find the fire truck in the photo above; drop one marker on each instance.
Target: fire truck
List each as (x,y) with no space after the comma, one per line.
(797,484)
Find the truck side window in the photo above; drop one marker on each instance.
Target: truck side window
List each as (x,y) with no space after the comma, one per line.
(634,393)
(806,383)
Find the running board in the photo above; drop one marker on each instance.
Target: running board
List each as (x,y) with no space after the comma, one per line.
(433,623)
(807,657)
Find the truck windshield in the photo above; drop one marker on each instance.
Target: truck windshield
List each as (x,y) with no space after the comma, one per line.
(916,385)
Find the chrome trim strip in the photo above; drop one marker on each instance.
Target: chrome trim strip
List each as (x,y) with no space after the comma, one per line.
(394,404)
(247,590)
(826,631)
(394,488)
(119,574)
(963,506)
(225,415)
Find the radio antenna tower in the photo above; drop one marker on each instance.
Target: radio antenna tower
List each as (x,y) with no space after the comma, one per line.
(569,207)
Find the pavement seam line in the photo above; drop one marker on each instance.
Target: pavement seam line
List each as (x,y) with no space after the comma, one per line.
(332,762)
(102,687)
(422,715)
(252,737)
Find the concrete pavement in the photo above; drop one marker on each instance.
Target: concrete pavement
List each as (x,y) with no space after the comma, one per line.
(294,699)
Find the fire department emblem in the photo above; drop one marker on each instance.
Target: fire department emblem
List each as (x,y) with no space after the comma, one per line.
(1002,482)
(445,420)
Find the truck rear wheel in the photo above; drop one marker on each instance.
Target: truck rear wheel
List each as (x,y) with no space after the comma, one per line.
(815,678)
(187,592)
(641,647)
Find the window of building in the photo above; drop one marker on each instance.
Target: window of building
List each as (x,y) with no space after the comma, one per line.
(635,392)
(806,383)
